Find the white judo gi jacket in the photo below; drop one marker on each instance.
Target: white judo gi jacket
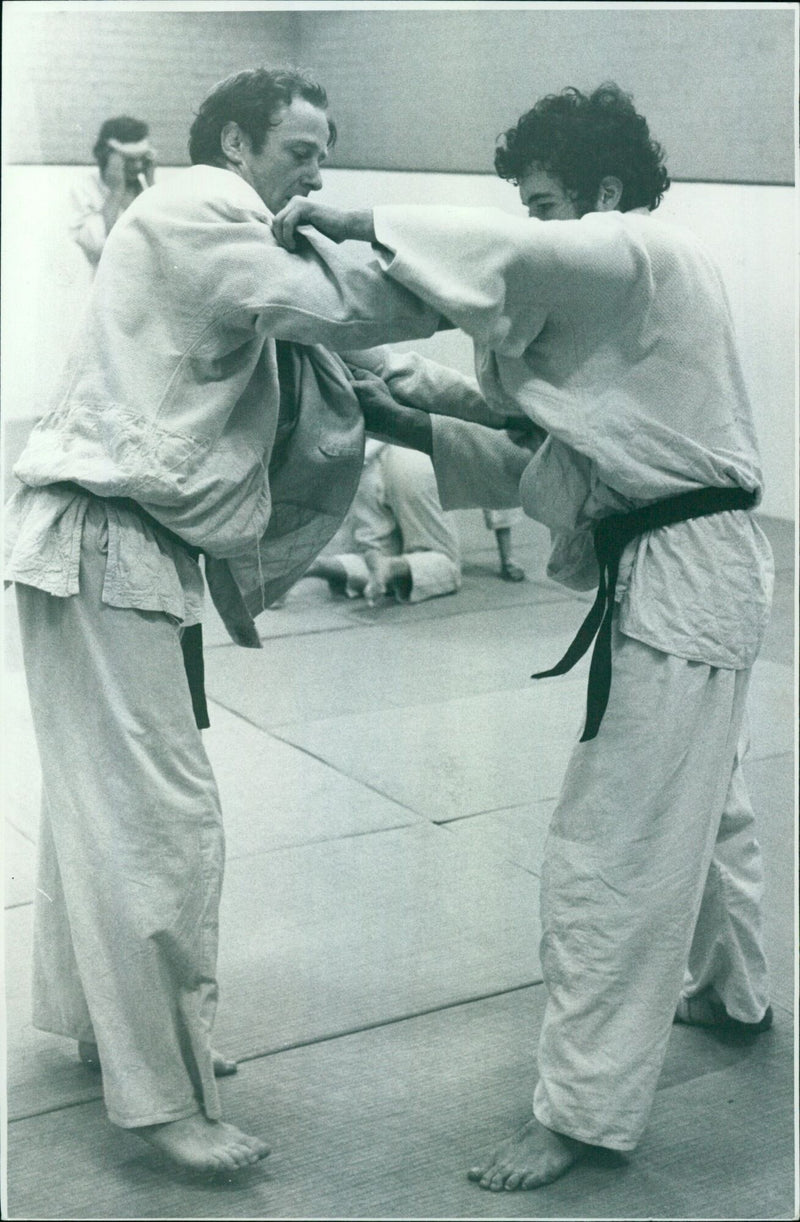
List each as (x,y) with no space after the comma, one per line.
(171,398)
(613,333)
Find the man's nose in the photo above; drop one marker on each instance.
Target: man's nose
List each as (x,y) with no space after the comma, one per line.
(314,179)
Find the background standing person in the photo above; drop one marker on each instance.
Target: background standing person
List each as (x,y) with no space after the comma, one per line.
(126,163)
(612,333)
(501,522)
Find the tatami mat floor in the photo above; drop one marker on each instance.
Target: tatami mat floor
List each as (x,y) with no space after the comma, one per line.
(387,776)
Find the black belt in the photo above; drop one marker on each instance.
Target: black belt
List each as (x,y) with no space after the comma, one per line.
(611,537)
(191,637)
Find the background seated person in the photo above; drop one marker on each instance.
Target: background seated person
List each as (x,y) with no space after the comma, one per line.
(396,538)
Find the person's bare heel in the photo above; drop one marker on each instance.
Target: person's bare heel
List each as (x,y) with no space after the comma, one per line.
(223,1066)
(706,1009)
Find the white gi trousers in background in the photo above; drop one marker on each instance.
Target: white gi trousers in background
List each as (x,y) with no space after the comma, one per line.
(397,512)
(650,863)
(130,848)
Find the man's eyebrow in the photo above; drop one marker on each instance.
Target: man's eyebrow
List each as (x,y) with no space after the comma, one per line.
(301,143)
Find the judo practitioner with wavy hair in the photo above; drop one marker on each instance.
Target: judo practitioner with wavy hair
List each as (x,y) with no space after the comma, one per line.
(611,333)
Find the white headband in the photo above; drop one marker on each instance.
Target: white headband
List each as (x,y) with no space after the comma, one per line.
(137,149)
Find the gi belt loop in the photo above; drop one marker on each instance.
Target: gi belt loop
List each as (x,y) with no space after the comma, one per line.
(611,536)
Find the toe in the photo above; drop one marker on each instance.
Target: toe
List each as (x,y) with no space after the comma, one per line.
(243,1156)
(210,1164)
(531,1180)
(513,1181)
(228,1160)
(256,1145)
(251,1153)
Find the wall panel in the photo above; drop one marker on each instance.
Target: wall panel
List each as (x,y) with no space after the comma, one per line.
(65,72)
(431,90)
(414,89)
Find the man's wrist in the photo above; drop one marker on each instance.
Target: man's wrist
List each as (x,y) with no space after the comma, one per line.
(400,425)
(361,226)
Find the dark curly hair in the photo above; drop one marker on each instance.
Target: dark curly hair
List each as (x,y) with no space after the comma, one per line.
(251,99)
(122,128)
(579,140)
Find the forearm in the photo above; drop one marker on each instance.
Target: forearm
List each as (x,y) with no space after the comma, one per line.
(399,425)
(329,294)
(417,381)
(392,418)
(360,226)
(112,209)
(90,234)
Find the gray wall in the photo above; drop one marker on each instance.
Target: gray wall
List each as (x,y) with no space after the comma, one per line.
(431,90)
(414,89)
(65,72)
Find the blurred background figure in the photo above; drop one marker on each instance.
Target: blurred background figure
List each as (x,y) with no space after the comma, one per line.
(396,538)
(501,522)
(125,167)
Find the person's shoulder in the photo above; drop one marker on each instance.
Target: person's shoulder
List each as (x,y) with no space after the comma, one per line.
(656,228)
(676,254)
(210,191)
(682,239)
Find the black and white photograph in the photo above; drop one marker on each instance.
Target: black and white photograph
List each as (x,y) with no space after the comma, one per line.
(399,688)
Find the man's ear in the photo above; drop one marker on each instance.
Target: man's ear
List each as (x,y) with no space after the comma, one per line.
(609,194)
(233,143)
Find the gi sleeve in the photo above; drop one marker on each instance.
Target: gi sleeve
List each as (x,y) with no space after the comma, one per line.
(476,467)
(221,258)
(416,381)
(499,278)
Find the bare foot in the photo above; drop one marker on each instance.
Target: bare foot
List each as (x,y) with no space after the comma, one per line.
(200,1144)
(88,1053)
(531,1157)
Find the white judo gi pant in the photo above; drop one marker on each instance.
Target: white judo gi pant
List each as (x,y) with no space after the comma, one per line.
(397,511)
(651,885)
(130,848)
